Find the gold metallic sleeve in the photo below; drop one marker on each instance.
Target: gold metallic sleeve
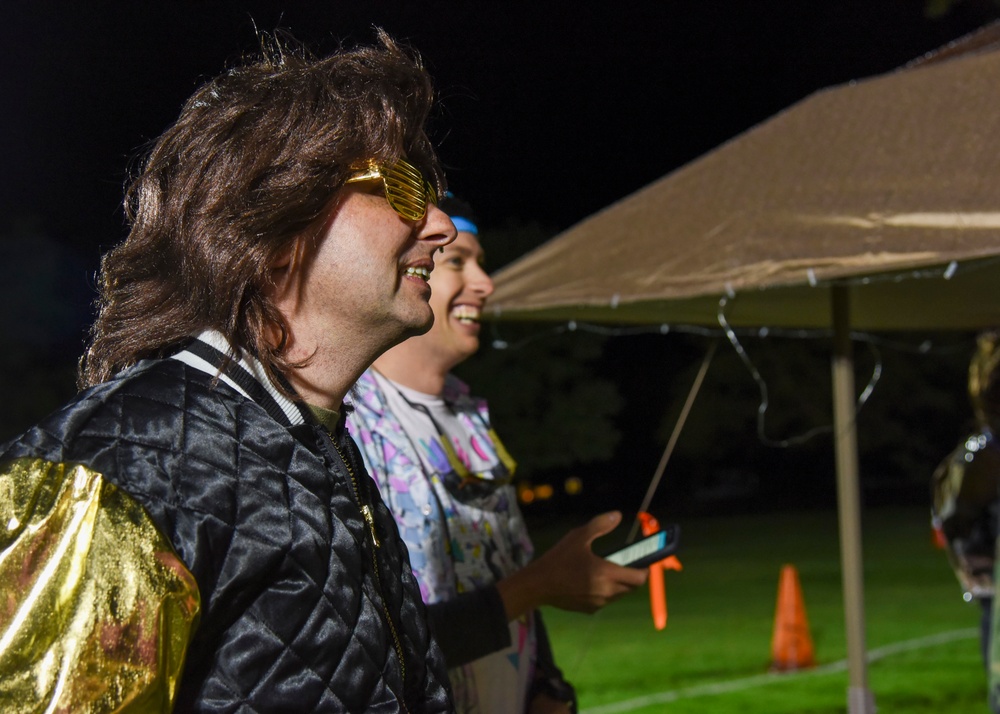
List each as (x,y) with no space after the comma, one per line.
(96,610)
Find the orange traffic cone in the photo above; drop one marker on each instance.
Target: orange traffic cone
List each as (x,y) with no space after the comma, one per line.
(791,644)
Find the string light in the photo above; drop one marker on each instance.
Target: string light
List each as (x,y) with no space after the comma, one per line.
(762,387)
(732,335)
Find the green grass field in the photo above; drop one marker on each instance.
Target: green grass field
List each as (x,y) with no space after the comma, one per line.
(714,654)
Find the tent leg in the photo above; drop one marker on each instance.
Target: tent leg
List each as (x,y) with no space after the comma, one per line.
(860,699)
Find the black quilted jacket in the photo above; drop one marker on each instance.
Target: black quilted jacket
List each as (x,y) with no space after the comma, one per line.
(300,612)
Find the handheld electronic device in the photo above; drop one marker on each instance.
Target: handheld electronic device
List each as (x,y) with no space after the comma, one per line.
(649,550)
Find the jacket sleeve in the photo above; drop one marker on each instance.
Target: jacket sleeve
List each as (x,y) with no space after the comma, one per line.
(100,609)
(480,611)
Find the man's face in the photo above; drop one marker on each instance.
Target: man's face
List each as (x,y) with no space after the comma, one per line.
(363,283)
(459,289)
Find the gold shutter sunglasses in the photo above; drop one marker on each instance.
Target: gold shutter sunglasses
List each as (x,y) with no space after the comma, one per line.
(406,189)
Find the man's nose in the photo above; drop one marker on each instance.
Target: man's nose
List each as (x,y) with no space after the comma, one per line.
(437,228)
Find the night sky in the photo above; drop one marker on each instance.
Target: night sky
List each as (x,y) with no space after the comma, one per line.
(549,110)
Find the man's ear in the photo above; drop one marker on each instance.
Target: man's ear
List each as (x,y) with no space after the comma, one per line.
(287,256)
(285,266)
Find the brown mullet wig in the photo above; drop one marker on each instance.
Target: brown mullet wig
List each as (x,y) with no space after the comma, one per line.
(254,161)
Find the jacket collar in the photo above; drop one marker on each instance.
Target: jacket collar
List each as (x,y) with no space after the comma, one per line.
(211,353)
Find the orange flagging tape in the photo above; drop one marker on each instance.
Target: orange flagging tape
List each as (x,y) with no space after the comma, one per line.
(657,583)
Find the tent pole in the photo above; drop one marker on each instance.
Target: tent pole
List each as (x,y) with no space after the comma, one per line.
(860,699)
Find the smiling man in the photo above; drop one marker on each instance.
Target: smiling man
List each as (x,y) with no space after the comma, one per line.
(196,530)
(446,477)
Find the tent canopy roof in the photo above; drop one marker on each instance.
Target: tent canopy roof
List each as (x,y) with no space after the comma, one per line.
(876,182)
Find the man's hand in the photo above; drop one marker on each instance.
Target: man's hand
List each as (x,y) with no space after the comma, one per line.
(569,576)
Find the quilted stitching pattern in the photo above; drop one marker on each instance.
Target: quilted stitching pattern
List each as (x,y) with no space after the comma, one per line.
(269,527)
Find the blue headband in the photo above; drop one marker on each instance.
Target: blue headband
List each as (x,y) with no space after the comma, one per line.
(464,225)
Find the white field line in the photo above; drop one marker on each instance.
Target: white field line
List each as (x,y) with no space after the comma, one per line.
(735,685)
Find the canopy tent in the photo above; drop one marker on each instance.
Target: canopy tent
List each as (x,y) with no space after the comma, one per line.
(873,205)
(890,175)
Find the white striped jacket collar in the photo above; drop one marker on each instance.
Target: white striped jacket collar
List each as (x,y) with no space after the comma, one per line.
(211,353)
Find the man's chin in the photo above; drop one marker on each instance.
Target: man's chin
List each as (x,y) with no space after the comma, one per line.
(417,327)
(412,324)
(425,327)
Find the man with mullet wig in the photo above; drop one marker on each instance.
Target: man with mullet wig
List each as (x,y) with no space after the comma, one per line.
(195,530)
